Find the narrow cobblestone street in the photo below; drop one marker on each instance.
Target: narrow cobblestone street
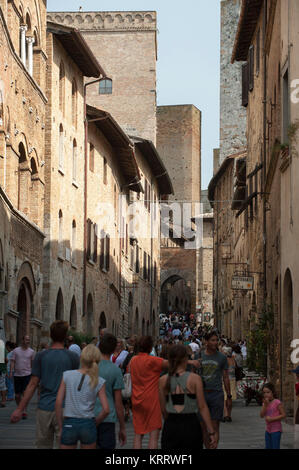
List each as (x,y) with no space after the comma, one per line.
(245,432)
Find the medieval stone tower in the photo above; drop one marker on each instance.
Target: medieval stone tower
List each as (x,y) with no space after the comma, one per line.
(125,45)
(179,144)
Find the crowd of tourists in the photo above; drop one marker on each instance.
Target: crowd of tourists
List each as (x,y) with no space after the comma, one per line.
(183,384)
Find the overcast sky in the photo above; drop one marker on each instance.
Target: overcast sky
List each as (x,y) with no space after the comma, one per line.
(188,57)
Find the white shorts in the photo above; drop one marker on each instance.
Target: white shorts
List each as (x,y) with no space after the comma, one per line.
(2,382)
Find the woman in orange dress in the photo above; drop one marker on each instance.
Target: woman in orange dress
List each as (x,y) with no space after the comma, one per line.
(145,373)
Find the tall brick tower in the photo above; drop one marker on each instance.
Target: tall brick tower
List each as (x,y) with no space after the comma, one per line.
(179,144)
(125,45)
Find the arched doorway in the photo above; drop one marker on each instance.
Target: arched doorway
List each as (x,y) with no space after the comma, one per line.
(24,309)
(287,337)
(73,314)
(59,306)
(89,325)
(175,295)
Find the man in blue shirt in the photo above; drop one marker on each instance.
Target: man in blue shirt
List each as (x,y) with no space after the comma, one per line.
(114,384)
(47,370)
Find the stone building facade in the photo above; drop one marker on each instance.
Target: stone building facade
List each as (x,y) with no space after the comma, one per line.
(22,147)
(263,192)
(179,143)
(232,115)
(289,194)
(125,43)
(61,256)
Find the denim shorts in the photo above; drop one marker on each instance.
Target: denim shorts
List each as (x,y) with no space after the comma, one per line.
(78,429)
(215,402)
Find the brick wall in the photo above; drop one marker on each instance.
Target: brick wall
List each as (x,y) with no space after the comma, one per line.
(125,45)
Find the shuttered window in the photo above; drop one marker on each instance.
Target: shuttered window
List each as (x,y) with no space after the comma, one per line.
(251,68)
(144,266)
(107,254)
(95,247)
(258,51)
(245,84)
(88,252)
(137,265)
(102,252)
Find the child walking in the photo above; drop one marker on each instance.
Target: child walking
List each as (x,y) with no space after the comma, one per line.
(80,389)
(273,411)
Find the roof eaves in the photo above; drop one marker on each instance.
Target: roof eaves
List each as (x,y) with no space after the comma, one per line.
(89,65)
(250,11)
(163,173)
(95,113)
(216,177)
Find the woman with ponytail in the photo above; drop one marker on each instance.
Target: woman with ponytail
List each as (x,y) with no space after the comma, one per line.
(80,388)
(145,373)
(181,399)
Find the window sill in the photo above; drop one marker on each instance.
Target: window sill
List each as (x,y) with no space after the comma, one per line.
(60,170)
(75,184)
(104,270)
(74,266)
(60,258)
(91,262)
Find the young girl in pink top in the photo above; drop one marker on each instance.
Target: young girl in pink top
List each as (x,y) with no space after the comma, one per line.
(273,412)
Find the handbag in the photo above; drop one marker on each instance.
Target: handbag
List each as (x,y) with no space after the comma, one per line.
(127,391)
(239,374)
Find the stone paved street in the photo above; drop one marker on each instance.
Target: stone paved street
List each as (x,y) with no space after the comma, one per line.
(245,432)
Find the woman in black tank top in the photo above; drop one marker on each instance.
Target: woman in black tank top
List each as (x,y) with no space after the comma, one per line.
(181,399)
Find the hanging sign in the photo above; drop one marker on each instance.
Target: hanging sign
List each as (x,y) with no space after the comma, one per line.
(242,283)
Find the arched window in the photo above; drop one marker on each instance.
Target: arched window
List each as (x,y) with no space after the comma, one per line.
(91,157)
(103,322)
(105,87)
(143,327)
(28,59)
(74,242)
(59,306)
(74,103)
(33,168)
(34,192)
(60,234)
(74,160)
(89,315)
(104,170)
(73,314)
(61,87)
(23,183)
(61,147)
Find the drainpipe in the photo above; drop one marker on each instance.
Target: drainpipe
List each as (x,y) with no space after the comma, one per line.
(265,166)
(85,188)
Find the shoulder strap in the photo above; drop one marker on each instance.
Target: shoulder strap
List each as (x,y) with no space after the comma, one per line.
(81,382)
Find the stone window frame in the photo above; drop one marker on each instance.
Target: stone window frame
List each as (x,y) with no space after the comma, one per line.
(75,160)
